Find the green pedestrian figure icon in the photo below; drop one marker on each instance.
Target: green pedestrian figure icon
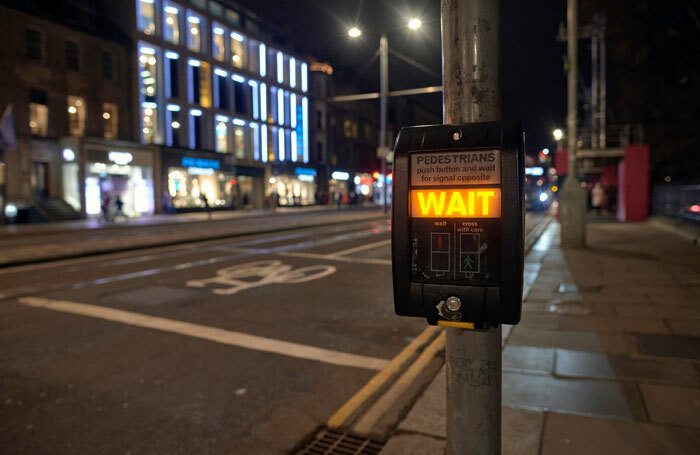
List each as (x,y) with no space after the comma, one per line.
(468,263)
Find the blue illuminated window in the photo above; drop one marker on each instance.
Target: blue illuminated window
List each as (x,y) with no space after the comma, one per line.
(280,67)
(292,72)
(305,116)
(304,78)
(146,16)
(263,60)
(255,133)
(171,22)
(263,143)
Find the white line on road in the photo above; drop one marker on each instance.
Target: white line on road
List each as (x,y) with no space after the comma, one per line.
(357,249)
(216,335)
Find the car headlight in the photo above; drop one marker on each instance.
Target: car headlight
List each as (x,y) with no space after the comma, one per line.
(544,197)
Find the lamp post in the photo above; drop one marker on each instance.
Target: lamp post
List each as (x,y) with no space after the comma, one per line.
(355,32)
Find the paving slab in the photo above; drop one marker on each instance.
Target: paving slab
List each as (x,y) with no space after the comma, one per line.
(596,365)
(672,404)
(581,341)
(428,414)
(684,327)
(528,359)
(680,346)
(413,444)
(587,397)
(579,435)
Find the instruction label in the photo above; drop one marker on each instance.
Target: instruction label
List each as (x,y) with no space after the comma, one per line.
(456,168)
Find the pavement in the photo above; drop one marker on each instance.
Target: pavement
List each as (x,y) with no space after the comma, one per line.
(24,244)
(606,359)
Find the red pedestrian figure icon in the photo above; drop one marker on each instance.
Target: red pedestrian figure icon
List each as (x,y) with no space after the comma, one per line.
(439,242)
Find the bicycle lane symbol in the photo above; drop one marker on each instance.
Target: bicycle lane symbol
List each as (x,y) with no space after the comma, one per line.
(238,277)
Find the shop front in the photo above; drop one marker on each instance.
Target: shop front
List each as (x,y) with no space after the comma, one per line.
(293,186)
(339,188)
(190,178)
(113,179)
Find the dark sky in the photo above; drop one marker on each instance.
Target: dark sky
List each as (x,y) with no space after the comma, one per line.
(533,82)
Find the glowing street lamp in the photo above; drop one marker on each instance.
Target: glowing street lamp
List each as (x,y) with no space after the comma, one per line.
(558,134)
(414,24)
(354,32)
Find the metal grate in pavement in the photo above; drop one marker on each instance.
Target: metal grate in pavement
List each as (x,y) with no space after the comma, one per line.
(330,442)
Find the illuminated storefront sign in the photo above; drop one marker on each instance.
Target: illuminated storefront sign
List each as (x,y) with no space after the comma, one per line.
(457,203)
(120,158)
(305,171)
(200,163)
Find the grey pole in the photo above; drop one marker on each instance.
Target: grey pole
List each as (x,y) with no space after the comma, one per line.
(594,92)
(471,93)
(603,85)
(573,197)
(383,93)
(572,45)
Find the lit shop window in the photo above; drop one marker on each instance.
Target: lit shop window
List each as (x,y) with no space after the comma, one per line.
(255,134)
(172,74)
(171,23)
(221,127)
(292,72)
(173,124)
(110,119)
(146,14)
(218,44)
(262,56)
(280,67)
(200,83)
(76,115)
(149,122)
(221,89)
(194,32)
(195,128)
(147,73)
(304,78)
(239,139)
(39,119)
(238,50)
(305,128)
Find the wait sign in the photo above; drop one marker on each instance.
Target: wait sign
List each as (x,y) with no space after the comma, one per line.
(456,203)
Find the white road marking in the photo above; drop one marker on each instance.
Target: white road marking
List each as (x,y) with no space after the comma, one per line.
(268,272)
(337,258)
(357,249)
(239,339)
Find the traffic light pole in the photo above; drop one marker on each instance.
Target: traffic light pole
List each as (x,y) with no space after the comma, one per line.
(472,93)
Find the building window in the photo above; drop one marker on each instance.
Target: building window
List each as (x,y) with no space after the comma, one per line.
(110,117)
(221,89)
(148,73)
(171,22)
(239,139)
(262,57)
(280,67)
(35,44)
(263,102)
(304,78)
(274,112)
(149,120)
(107,60)
(72,55)
(292,72)
(218,44)
(240,94)
(173,125)
(200,83)
(146,13)
(221,127)
(238,50)
(194,32)
(305,128)
(255,135)
(38,113)
(172,78)
(76,115)
(281,118)
(195,129)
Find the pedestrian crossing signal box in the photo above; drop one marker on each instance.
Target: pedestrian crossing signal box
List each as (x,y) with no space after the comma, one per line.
(458,223)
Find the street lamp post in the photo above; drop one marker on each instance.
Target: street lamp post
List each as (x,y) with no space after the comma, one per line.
(355,32)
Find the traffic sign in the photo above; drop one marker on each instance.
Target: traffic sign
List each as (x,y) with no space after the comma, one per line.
(458,222)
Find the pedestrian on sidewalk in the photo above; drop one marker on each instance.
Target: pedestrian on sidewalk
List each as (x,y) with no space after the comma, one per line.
(205,202)
(119,204)
(106,208)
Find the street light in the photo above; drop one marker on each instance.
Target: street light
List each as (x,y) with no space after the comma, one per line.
(414,24)
(354,32)
(558,134)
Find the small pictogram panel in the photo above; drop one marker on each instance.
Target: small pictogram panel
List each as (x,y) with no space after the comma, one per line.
(439,252)
(469,253)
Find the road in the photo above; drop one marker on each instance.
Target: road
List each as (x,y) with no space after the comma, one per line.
(243,345)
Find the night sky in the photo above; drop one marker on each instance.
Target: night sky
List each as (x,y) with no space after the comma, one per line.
(533,81)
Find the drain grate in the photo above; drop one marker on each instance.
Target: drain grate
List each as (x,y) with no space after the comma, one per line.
(329,442)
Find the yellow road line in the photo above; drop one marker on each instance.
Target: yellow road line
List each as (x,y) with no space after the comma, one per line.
(368,421)
(348,410)
(216,335)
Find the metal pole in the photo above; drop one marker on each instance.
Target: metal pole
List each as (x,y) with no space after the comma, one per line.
(603,95)
(572,42)
(594,92)
(383,93)
(471,81)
